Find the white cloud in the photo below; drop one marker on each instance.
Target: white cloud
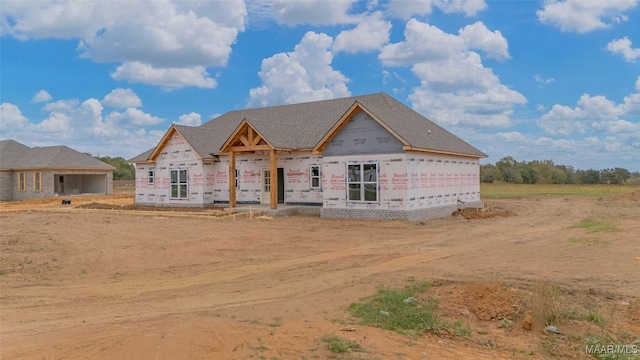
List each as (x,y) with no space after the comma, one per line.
(161,34)
(511,136)
(169,78)
(491,107)
(623,47)
(423,42)
(370,34)
(406,9)
(11,118)
(192,119)
(61,105)
(477,36)
(57,125)
(584,16)
(41,96)
(543,80)
(312,12)
(455,87)
(133,117)
(299,76)
(122,98)
(592,113)
(82,127)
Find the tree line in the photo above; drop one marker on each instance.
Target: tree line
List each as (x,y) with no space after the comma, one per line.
(510,170)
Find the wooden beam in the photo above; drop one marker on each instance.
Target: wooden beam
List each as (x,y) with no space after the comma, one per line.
(250,133)
(249,148)
(232,176)
(244,140)
(273,167)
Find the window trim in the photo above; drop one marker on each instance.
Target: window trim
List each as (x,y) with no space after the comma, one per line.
(311,177)
(178,184)
(363,183)
(37,181)
(22,181)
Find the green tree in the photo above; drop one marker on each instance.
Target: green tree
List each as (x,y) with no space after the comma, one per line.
(123,171)
(590,177)
(489,173)
(508,170)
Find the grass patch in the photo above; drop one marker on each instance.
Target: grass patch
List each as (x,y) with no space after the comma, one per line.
(399,310)
(340,345)
(508,191)
(597,226)
(460,329)
(596,317)
(277,321)
(545,304)
(588,241)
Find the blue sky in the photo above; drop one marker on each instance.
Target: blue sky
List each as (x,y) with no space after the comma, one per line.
(535,80)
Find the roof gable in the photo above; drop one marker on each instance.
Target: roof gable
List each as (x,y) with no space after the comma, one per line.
(246,138)
(197,138)
(345,120)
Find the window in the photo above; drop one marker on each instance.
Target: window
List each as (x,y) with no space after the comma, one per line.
(37,181)
(266,181)
(179,184)
(22,182)
(151,174)
(237,178)
(314,174)
(362,182)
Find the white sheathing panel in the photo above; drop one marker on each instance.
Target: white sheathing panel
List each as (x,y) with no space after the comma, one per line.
(297,177)
(145,192)
(410,181)
(438,180)
(392,182)
(249,167)
(176,155)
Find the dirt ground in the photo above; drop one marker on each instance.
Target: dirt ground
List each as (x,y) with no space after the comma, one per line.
(91,284)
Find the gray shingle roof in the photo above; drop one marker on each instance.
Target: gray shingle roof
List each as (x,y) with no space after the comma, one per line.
(302,126)
(16,156)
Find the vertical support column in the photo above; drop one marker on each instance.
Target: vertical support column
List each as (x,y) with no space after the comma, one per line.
(232,177)
(273,167)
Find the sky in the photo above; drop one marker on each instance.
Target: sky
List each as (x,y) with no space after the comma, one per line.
(536,80)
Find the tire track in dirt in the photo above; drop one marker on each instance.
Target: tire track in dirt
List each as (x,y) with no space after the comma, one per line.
(201,291)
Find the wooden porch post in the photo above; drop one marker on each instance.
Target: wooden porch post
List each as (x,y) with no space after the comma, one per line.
(232,177)
(273,164)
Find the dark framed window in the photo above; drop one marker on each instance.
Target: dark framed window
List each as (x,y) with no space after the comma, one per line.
(314,177)
(37,181)
(362,182)
(22,181)
(179,184)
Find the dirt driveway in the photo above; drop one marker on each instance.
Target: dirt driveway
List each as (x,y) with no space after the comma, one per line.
(79,284)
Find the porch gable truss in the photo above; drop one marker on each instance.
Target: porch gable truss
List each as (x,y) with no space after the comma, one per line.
(245,139)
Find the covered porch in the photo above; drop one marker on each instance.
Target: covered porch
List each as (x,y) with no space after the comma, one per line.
(247,139)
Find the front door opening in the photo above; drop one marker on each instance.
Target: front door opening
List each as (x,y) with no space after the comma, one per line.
(266,186)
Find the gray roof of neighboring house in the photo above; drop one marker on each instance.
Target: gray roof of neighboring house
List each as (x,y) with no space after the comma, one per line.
(302,126)
(16,156)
